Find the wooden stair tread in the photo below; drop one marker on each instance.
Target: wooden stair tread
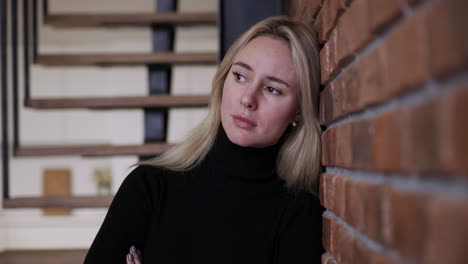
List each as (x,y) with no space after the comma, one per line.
(151,101)
(133,19)
(127,58)
(65,256)
(147,149)
(70,202)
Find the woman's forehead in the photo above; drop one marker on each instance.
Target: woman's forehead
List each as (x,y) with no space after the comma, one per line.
(267,55)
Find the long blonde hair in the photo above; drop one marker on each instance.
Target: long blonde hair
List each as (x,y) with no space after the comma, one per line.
(299,157)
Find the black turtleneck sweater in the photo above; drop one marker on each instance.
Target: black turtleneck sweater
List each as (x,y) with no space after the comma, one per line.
(231,209)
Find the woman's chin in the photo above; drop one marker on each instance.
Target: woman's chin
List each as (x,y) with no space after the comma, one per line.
(240,140)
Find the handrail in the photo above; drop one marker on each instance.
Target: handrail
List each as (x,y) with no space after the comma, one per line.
(4,81)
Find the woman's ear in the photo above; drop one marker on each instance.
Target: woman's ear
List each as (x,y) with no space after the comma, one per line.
(297,116)
(296,119)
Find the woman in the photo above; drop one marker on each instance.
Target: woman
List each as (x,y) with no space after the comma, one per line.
(242,188)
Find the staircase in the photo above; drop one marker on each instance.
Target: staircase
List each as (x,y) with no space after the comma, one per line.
(111,59)
(46,106)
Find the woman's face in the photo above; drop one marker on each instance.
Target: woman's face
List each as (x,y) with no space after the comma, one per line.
(260,93)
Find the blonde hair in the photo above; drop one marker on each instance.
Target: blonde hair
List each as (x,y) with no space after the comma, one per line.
(299,157)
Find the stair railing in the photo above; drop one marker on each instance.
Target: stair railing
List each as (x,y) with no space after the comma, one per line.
(9,17)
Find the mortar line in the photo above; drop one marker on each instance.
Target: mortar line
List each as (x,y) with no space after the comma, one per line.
(458,188)
(431,89)
(369,242)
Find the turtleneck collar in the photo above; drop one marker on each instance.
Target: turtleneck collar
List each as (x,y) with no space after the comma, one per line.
(242,163)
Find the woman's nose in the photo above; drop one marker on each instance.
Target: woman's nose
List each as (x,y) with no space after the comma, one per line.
(248,99)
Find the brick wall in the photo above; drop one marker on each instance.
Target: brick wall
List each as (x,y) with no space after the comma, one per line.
(394,108)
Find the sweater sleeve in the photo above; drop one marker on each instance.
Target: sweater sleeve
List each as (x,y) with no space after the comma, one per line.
(301,238)
(127,220)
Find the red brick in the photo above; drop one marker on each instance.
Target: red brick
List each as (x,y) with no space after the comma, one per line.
(373,79)
(348,87)
(328,147)
(400,55)
(386,216)
(422,133)
(339,195)
(326,190)
(371,206)
(333,191)
(447,237)
(351,249)
(453,130)
(325,66)
(328,59)
(322,188)
(333,52)
(361,253)
(383,12)
(354,205)
(322,23)
(337,239)
(328,231)
(362,84)
(381,258)
(388,141)
(344,146)
(304,10)
(362,145)
(327,18)
(406,221)
(427,138)
(326,104)
(353,31)
(346,247)
(447,36)
(341,95)
(406,58)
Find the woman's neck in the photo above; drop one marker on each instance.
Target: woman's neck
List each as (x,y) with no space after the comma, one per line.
(242,163)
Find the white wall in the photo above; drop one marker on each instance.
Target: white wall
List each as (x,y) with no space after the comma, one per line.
(28,228)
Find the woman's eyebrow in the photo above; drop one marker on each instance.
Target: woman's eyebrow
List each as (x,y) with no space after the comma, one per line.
(244,65)
(272,78)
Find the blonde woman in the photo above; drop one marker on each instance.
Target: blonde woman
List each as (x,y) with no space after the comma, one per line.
(242,188)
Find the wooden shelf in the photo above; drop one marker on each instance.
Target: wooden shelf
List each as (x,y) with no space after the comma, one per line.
(130,19)
(124,102)
(122,58)
(68,256)
(148,149)
(59,202)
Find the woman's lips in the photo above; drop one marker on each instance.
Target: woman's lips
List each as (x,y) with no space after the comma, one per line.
(243,122)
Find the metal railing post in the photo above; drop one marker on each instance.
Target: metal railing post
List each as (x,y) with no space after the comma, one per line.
(26,54)
(45,7)
(4,83)
(14,42)
(35,29)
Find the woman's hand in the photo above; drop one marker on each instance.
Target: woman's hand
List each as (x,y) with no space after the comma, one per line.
(134,257)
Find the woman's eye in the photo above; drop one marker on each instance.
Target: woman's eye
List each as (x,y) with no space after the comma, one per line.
(273,90)
(239,77)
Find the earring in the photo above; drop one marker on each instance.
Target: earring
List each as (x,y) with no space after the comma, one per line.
(294,123)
